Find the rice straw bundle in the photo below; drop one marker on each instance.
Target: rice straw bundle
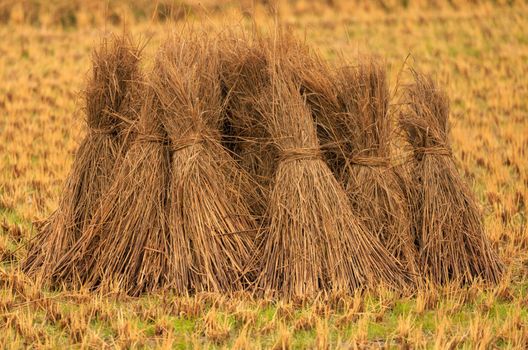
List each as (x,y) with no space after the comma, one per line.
(363,129)
(451,238)
(312,242)
(350,109)
(110,103)
(207,207)
(127,246)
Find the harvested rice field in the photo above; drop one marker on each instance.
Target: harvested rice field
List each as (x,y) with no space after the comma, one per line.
(322,175)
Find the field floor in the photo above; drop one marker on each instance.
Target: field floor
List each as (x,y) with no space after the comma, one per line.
(480,54)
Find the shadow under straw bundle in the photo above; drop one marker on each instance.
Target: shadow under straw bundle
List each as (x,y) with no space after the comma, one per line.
(208,211)
(111,102)
(363,131)
(244,73)
(451,238)
(312,241)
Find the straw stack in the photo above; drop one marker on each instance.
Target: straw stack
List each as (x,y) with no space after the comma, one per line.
(111,102)
(249,163)
(451,239)
(364,131)
(312,241)
(126,246)
(208,210)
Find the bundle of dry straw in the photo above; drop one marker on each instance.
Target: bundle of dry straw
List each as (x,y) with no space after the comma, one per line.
(312,241)
(349,106)
(363,131)
(126,246)
(208,196)
(111,101)
(451,240)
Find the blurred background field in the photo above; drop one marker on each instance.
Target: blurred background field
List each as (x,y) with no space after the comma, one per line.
(477,49)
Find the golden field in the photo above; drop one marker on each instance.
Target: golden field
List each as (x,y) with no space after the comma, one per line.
(478,51)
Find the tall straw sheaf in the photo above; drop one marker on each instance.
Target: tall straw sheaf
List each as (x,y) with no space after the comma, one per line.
(126,245)
(312,241)
(209,193)
(111,103)
(363,128)
(451,239)
(349,106)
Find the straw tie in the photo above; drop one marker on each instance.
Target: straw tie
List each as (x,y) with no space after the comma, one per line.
(293,154)
(151,138)
(192,139)
(187,141)
(437,150)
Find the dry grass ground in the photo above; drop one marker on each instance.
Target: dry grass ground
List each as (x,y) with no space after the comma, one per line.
(480,53)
